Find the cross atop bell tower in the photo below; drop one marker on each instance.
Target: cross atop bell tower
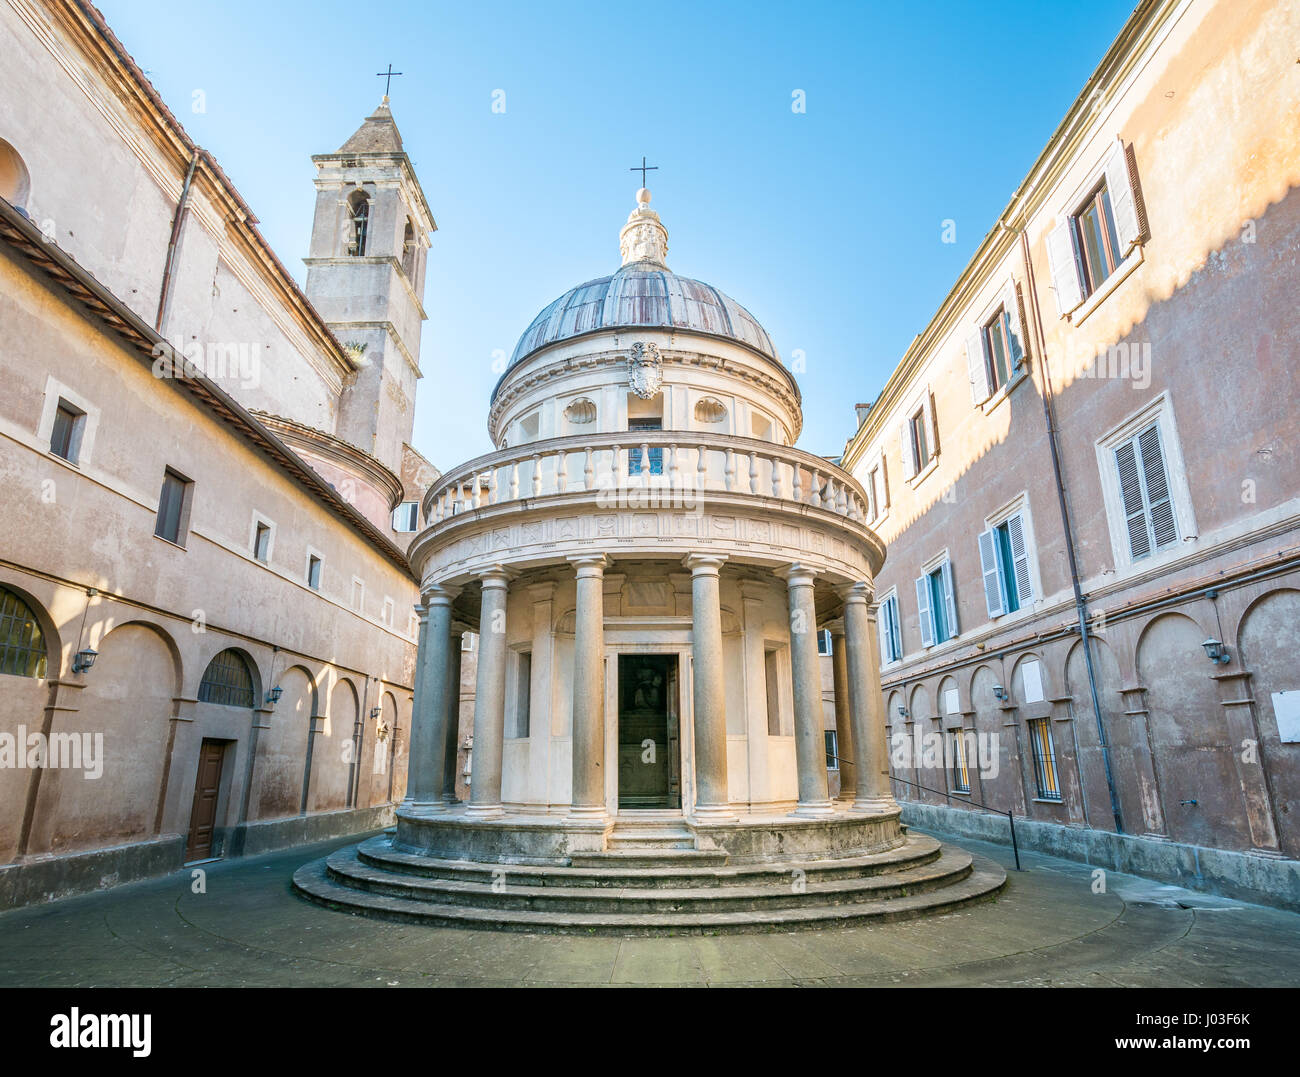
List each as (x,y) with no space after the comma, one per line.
(365,275)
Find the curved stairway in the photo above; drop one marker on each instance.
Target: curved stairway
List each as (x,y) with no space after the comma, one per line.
(649,890)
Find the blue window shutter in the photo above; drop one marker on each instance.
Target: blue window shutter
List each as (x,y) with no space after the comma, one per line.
(949,597)
(994,588)
(923,609)
(1020,557)
(895,628)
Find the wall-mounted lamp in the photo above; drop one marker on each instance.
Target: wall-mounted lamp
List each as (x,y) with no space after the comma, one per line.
(902,711)
(273,696)
(999,693)
(375,712)
(1216,652)
(84,660)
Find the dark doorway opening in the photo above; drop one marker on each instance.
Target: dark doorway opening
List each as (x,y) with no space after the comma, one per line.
(649,751)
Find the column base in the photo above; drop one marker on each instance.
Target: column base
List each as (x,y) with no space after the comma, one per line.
(586,813)
(875,805)
(429,807)
(451,798)
(713,813)
(814,809)
(485,811)
(844,803)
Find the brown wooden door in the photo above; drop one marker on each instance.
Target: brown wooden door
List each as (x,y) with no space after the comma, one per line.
(203,816)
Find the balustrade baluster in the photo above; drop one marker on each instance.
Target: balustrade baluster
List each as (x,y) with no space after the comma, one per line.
(537,474)
(815,489)
(730,472)
(798,480)
(753,473)
(562,472)
(776,477)
(514,480)
(588,471)
(701,471)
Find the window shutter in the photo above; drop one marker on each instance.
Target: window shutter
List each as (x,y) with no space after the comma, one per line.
(1164,529)
(1123,203)
(993,586)
(884,480)
(1020,557)
(1130,485)
(932,413)
(1063,261)
(1015,323)
(882,628)
(923,608)
(895,628)
(910,466)
(949,597)
(977,368)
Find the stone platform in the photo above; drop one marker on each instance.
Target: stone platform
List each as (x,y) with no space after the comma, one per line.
(649,877)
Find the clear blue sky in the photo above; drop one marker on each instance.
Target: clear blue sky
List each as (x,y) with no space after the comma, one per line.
(826,225)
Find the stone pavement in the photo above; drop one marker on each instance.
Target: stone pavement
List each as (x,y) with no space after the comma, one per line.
(1047,928)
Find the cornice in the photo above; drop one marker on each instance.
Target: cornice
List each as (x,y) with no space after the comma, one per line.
(343,453)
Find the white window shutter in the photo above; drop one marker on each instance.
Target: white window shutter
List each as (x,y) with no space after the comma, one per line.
(1020,558)
(1130,486)
(923,608)
(977,368)
(1063,261)
(992,573)
(949,597)
(1160,509)
(1015,324)
(1123,201)
(910,466)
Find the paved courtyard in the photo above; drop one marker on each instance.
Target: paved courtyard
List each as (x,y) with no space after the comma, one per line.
(1047,928)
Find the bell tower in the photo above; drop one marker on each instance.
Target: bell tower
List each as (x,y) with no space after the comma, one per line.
(366,277)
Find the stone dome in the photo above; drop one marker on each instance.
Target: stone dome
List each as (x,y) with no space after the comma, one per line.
(644,294)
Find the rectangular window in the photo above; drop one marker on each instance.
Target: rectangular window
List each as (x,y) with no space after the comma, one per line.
(960,767)
(891,633)
(1144,488)
(1004,563)
(873,492)
(173,506)
(920,446)
(313,572)
(1097,239)
(406,517)
(636,464)
(65,438)
(1044,751)
(937,605)
(824,641)
(773,694)
(262,542)
(832,750)
(1002,355)
(358,593)
(523,693)
(386,612)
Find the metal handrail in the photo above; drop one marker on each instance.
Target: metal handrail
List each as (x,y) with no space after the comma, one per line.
(966,799)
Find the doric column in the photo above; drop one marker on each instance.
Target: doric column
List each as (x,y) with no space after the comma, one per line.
(489,698)
(451,734)
(428,740)
(709,694)
(809,737)
(866,704)
(843,716)
(588,798)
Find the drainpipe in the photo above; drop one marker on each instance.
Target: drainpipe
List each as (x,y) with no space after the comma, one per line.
(1080,602)
(181,205)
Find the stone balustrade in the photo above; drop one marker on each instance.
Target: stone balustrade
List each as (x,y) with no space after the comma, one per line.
(671,460)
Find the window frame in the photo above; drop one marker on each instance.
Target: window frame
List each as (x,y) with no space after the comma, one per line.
(83,440)
(1047,770)
(1098,200)
(186,485)
(415,518)
(314,556)
(941,568)
(832,742)
(892,632)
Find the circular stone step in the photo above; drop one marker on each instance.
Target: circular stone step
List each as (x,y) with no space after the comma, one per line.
(921,878)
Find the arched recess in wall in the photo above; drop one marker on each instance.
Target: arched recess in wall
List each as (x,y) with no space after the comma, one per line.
(119,731)
(1192,756)
(400,757)
(1005,789)
(29,639)
(15,180)
(949,698)
(332,752)
(1267,643)
(1029,679)
(377,768)
(282,747)
(1119,728)
(357,235)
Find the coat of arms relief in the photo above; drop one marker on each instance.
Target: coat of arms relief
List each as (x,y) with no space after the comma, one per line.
(645,369)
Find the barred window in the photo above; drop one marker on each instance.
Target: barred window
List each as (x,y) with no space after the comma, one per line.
(1040,738)
(960,765)
(22,646)
(227,681)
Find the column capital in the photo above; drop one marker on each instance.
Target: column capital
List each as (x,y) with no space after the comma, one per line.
(704,564)
(438,594)
(859,591)
(495,577)
(797,574)
(589,565)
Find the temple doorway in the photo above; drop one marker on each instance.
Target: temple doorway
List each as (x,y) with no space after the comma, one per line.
(649,751)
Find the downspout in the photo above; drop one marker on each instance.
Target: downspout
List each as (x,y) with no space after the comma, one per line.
(181,205)
(1080,602)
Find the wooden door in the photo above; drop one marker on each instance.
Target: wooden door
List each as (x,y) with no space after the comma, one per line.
(203,815)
